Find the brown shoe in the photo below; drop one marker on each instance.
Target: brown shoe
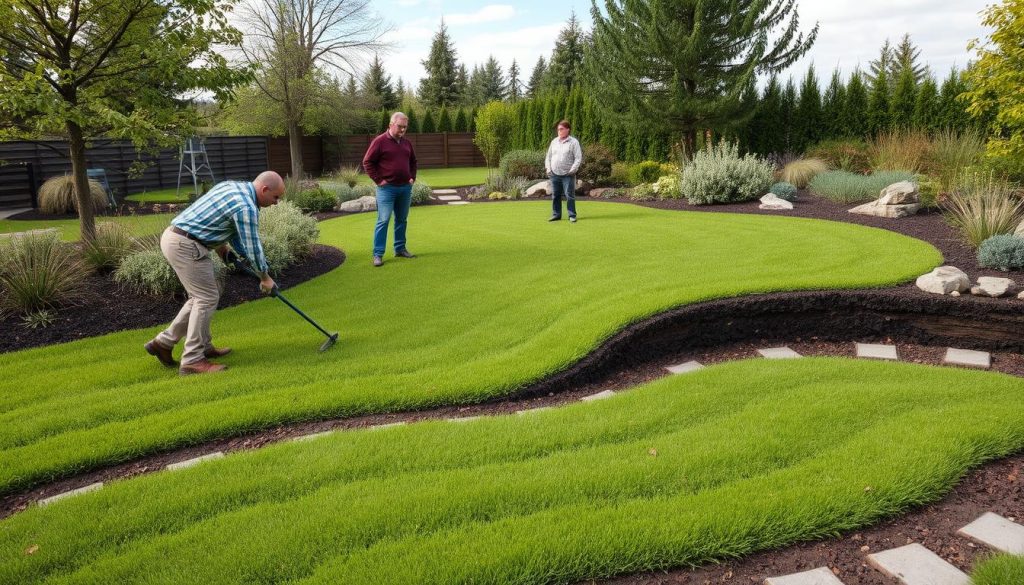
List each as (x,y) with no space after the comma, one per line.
(160,352)
(200,367)
(216,352)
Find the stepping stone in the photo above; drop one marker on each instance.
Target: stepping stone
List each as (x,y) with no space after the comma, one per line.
(878,351)
(449,198)
(997,532)
(967,357)
(819,576)
(685,368)
(444,192)
(386,426)
(460,419)
(598,396)
(458,203)
(779,353)
(312,437)
(915,565)
(82,490)
(195,461)
(531,410)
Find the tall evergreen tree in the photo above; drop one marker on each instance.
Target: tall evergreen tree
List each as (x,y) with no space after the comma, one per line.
(832,107)
(400,91)
(565,68)
(878,103)
(444,120)
(351,88)
(414,120)
(767,126)
(475,88)
(377,86)
(808,114)
(905,58)
(953,112)
(462,84)
(428,125)
(926,106)
(493,86)
(883,64)
(901,110)
(515,86)
(440,86)
(533,87)
(472,120)
(684,64)
(460,124)
(855,114)
(787,115)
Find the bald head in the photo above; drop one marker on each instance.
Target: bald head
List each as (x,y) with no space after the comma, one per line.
(269,188)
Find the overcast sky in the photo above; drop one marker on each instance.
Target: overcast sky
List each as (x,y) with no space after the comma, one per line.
(851,32)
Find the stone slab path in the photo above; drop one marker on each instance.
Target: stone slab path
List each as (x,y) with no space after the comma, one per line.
(70,494)
(914,564)
(685,368)
(819,576)
(197,460)
(779,353)
(996,532)
(877,351)
(968,357)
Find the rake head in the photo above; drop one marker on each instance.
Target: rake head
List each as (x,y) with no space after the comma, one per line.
(331,340)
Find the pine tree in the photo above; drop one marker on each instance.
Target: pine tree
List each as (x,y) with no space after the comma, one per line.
(926,106)
(883,64)
(767,127)
(444,120)
(428,125)
(809,119)
(460,124)
(475,88)
(351,89)
(878,104)
(952,112)
(547,124)
(440,86)
(687,68)
(533,87)
(515,86)
(414,121)
(833,106)
(384,122)
(565,68)
(905,57)
(535,119)
(901,110)
(492,83)
(787,115)
(462,84)
(855,114)
(377,86)
(472,120)
(400,90)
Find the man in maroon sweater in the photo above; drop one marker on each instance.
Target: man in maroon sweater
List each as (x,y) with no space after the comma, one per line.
(391,162)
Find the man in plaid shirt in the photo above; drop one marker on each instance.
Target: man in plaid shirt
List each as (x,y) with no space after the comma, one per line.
(227,214)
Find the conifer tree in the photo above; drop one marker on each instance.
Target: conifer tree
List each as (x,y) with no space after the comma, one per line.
(565,68)
(351,88)
(444,120)
(547,124)
(832,107)
(926,106)
(953,112)
(767,126)
(475,89)
(400,90)
(493,86)
(377,86)
(414,121)
(901,110)
(536,123)
(533,87)
(460,124)
(855,114)
(787,115)
(905,58)
(384,121)
(515,86)
(684,63)
(878,104)
(808,114)
(440,86)
(462,84)
(428,125)
(472,120)
(883,64)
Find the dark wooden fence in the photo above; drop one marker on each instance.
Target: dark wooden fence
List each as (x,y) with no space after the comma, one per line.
(433,150)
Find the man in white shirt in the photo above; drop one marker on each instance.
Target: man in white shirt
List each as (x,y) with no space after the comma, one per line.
(561,163)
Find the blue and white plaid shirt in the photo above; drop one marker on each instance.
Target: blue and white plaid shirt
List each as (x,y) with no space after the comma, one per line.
(227,213)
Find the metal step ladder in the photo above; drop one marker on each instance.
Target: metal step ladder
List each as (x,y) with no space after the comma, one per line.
(194,163)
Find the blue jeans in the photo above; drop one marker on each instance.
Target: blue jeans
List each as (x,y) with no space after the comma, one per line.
(391,199)
(563,186)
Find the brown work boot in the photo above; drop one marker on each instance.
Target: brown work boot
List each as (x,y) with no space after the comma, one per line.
(216,352)
(200,367)
(160,352)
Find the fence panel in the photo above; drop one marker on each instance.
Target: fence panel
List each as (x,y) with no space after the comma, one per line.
(433,150)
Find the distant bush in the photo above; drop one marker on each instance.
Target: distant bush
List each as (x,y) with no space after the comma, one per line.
(38,272)
(523,163)
(719,175)
(845,187)
(57,195)
(647,171)
(643,192)
(845,155)
(619,174)
(421,193)
(800,172)
(1003,252)
(147,272)
(597,164)
(316,200)
(342,192)
(784,190)
(112,243)
(669,187)
(348,175)
(361,191)
(287,234)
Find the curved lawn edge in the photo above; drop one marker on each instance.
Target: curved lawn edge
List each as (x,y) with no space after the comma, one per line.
(423,379)
(678,473)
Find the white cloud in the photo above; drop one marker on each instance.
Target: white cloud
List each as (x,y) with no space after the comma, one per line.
(489,13)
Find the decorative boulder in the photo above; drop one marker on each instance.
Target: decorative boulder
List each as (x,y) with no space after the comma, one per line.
(993,287)
(366,203)
(599,192)
(539,190)
(774,202)
(897,200)
(1020,230)
(944,280)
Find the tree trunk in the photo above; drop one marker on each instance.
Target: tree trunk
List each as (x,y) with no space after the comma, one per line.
(86,212)
(295,149)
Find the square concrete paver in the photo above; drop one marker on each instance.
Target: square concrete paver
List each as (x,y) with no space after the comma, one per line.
(877,351)
(532,410)
(685,368)
(598,396)
(195,461)
(819,576)
(969,357)
(460,419)
(445,192)
(779,353)
(997,532)
(69,494)
(449,197)
(916,565)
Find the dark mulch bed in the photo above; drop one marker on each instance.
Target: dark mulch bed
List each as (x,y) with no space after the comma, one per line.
(109,307)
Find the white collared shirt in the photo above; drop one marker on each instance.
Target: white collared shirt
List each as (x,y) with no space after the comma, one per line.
(564,156)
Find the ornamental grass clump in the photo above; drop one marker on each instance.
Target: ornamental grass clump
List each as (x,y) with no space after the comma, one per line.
(999,569)
(147,272)
(900,150)
(719,175)
(982,206)
(845,155)
(38,271)
(952,152)
(1002,252)
(348,176)
(57,195)
(845,187)
(802,170)
(112,243)
(287,234)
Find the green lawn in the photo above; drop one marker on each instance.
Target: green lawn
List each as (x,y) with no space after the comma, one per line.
(716,464)
(498,298)
(1000,569)
(170,195)
(70,229)
(444,178)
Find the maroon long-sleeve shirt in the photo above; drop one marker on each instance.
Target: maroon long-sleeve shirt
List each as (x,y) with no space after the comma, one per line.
(390,160)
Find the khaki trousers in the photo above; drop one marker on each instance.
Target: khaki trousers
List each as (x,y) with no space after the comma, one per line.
(191,262)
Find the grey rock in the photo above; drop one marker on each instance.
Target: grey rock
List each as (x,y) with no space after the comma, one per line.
(366,203)
(989,286)
(944,280)
(774,202)
(1020,230)
(891,211)
(902,193)
(539,190)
